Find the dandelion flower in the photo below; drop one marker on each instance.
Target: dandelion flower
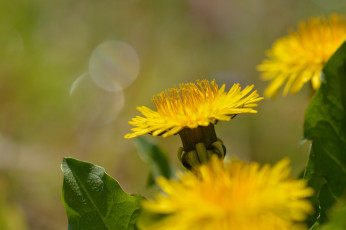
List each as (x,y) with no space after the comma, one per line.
(299,57)
(190,106)
(191,111)
(236,196)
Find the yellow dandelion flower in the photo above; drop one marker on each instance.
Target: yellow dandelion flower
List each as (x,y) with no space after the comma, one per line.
(236,196)
(191,111)
(190,106)
(299,57)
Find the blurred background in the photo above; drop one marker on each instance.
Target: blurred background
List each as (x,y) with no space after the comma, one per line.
(73,72)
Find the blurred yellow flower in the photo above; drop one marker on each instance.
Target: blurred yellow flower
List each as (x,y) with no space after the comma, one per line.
(235,196)
(299,57)
(191,106)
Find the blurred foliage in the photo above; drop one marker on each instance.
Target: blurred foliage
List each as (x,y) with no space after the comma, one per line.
(337,216)
(11,217)
(156,158)
(46,45)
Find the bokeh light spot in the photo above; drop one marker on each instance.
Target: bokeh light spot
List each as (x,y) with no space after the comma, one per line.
(93,104)
(114,65)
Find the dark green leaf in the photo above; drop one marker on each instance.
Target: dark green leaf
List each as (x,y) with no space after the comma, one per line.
(156,158)
(325,125)
(94,200)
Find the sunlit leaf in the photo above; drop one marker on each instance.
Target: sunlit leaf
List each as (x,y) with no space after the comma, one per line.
(94,200)
(325,125)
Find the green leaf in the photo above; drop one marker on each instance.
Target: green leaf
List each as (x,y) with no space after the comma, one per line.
(156,158)
(325,125)
(94,200)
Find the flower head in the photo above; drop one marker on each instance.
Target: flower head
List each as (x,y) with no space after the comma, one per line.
(238,196)
(191,106)
(299,57)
